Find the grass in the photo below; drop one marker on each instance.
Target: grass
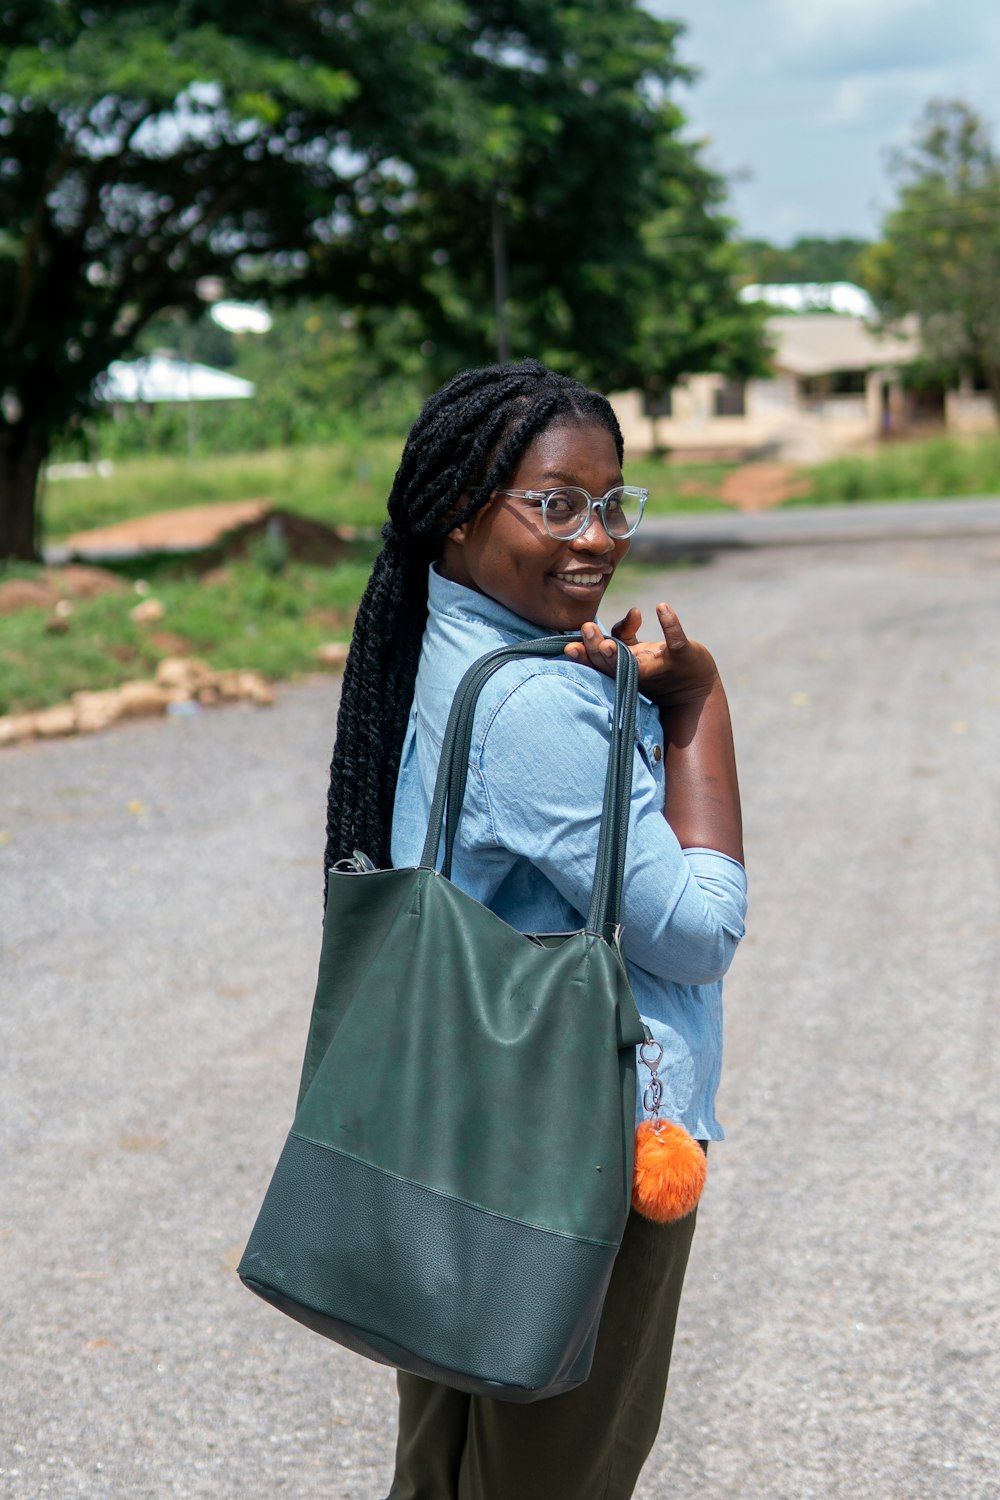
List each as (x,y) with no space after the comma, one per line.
(347,482)
(929,469)
(339,483)
(252,617)
(243,616)
(336,483)
(248,618)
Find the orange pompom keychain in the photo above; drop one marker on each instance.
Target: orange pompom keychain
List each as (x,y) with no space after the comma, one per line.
(670,1166)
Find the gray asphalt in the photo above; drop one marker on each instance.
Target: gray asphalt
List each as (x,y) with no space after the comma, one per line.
(663,538)
(160,908)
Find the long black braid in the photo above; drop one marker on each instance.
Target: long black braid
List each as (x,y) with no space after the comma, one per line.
(466,443)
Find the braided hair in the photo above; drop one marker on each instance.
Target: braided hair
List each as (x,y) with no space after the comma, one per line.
(466,443)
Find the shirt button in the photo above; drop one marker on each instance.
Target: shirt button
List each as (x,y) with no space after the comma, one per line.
(657,753)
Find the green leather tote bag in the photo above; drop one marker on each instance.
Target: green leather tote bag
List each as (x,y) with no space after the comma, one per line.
(455,1185)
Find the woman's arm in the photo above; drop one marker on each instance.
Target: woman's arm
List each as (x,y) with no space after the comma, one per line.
(702,802)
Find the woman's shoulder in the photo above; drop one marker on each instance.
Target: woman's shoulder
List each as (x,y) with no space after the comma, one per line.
(530,696)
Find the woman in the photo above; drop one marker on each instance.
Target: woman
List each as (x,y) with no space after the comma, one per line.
(507,520)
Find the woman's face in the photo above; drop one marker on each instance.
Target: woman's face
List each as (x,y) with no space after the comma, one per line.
(505,552)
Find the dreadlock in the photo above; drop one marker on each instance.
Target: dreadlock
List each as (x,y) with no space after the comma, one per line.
(466,443)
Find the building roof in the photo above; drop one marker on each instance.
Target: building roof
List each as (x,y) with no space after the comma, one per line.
(819,343)
(160,377)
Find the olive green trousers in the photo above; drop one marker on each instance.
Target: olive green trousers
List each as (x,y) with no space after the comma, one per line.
(587,1445)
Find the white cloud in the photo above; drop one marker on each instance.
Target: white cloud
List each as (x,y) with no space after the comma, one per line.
(820,20)
(884,99)
(801,99)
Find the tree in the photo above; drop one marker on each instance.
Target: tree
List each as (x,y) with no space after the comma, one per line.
(147,146)
(493,166)
(809,258)
(596,209)
(939,258)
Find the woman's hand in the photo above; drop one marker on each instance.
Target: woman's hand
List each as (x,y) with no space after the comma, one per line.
(672,672)
(702,799)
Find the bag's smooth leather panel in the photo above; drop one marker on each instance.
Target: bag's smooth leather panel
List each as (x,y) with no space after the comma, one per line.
(359,921)
(422,1281)
(456,1016)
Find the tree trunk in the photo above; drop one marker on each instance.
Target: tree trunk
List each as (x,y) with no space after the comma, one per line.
(993,382)
(500,278)
(22,453)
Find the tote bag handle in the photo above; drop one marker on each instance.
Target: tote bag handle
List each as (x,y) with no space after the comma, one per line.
(449,789)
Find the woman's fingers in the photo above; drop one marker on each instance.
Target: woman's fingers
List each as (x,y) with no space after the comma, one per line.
(598,650)
(627,629)
(673,630)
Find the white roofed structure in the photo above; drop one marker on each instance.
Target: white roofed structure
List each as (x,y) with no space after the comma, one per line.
(163,377)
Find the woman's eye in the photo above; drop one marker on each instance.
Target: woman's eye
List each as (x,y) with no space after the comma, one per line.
(560,506)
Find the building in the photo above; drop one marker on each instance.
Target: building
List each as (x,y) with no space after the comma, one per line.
(836,386)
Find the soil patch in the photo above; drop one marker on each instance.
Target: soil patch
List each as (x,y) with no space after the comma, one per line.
(75,581)
(210,535)
(186,530)
(760,486)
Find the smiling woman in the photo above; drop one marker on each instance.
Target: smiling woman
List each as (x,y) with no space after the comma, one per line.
(508,518)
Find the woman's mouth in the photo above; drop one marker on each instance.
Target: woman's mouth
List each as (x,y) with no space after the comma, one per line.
(583,578)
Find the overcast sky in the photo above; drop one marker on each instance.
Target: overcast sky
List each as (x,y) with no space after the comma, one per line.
(801,99)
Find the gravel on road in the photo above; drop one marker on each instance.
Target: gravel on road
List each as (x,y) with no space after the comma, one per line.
(160,891)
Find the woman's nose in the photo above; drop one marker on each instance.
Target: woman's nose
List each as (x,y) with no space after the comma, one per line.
(595,538)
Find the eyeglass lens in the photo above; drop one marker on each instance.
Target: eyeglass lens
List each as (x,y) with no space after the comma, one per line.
(565,512)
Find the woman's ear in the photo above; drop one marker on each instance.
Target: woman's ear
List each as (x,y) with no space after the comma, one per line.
(460,534)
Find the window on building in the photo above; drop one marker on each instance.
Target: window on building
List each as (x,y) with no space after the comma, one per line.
(659,406)
(730,399)
(847,383)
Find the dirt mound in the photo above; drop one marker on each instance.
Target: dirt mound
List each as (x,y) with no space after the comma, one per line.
(75,581)
(283,533)
(214,534)
(188,529)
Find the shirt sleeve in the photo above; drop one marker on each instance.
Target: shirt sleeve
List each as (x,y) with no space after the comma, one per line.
(540,754)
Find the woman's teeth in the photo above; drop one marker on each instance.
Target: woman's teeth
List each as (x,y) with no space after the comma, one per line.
(585,580)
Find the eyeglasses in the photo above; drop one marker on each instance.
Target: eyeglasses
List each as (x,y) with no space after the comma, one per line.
(567,511)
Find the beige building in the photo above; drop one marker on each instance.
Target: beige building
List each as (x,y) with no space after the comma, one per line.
(835,387)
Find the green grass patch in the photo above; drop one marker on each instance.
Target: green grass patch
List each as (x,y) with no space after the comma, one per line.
(677,488)
(933,468)
(272,622)
(337,483)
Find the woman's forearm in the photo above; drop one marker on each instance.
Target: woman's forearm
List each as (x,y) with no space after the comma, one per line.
(702,803)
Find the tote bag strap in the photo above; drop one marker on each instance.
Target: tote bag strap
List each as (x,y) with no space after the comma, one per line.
(453,770)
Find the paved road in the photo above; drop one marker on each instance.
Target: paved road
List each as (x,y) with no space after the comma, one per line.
(665,537)
(160,920)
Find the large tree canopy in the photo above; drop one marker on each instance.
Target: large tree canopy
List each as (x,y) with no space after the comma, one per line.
(493,166)
(939,257)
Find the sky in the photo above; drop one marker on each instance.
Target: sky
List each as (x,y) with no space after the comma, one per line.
(802,100)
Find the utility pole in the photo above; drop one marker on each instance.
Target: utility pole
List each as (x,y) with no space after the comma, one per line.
(500,276)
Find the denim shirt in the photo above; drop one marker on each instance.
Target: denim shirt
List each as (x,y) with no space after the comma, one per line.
(527,844)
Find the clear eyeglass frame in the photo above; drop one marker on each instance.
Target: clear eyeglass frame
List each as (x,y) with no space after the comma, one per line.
(575,526)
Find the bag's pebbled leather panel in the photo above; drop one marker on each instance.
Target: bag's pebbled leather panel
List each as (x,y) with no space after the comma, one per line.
(416,1279)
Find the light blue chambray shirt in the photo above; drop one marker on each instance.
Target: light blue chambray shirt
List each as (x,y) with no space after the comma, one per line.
(527,844)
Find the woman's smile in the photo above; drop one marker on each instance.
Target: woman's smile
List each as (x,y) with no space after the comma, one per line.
(585,578)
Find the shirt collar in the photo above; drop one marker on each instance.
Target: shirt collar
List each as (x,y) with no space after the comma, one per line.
(453,599)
